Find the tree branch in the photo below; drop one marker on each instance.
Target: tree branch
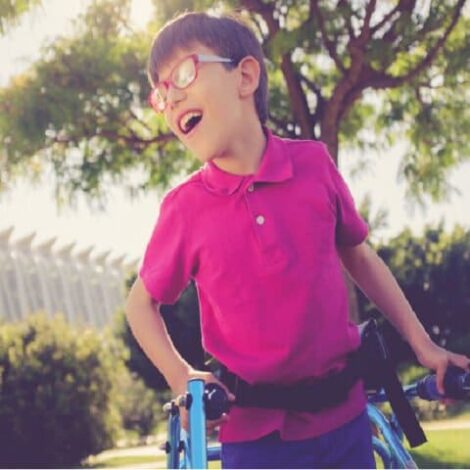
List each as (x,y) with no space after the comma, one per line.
(349,99)
(365,33)
(132,141)
(142,123)
(344,3)
(266,10)
(258,25)
(281,125)
(401,6)
(329,45)
(135,141)
(312,86)
(297,96)
(383,80)
(321,102)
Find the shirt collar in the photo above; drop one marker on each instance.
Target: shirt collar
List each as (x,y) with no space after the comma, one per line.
(276,166)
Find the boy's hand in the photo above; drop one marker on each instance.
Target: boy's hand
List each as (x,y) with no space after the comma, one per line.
(208,378)
(432,356)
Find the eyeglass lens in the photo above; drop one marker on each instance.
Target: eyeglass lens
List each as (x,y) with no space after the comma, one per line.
(184,73)
(181,77)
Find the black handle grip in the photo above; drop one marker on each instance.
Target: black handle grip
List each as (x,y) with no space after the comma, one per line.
(215,401)
(456,385)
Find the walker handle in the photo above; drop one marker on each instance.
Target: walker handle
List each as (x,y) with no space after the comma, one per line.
(456,385)
(215,401)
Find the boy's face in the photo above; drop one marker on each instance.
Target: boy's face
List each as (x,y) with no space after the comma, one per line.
(205,115)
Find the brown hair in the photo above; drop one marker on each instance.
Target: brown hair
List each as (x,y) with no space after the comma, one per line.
(228,36)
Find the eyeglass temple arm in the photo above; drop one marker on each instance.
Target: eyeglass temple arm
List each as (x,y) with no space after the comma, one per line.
(212,58)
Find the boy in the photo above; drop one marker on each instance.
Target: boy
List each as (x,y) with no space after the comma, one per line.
(263,228)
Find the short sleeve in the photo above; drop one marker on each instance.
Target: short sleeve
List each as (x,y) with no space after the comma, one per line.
(167,266)
(351,229)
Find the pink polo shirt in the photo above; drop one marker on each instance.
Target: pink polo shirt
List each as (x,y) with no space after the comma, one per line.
(262,250)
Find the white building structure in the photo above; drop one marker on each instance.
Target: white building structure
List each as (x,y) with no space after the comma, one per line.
(86,288)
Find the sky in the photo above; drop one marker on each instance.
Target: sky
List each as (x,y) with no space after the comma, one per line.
(124,226)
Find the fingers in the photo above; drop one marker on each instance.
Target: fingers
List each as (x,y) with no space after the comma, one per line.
(211,425)
(448,401)
(184,419)
(213,379)
(440,374)
(460,360)
(181,402)
(208,377)
(230,395)
(440,381)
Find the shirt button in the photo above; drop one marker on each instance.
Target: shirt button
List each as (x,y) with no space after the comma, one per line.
(251,188)
(260,220)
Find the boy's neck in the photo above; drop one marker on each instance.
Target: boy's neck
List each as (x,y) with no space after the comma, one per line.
(246,152)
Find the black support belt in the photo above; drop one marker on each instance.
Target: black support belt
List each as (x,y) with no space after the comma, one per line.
(311,396)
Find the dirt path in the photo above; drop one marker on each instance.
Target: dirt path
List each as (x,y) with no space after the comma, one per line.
(446,424)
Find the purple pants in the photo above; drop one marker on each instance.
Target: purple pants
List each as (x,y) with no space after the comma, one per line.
(349,446)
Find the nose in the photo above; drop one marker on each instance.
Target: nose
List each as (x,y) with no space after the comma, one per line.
(174,96)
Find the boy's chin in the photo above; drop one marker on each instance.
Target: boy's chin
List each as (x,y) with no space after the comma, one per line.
(203,157)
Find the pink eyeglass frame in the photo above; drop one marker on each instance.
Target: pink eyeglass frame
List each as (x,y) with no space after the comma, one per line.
(197,60)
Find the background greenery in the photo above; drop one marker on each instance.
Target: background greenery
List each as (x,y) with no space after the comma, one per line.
(58,390)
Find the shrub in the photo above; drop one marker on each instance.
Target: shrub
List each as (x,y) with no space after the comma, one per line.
(140,407)
(57,393)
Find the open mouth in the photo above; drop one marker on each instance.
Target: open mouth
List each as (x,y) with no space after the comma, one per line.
(189,121)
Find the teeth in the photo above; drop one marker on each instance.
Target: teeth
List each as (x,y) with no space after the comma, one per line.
(184,121)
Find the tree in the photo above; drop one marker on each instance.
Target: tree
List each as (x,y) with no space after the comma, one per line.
(349,73)
(11,12)
(433,270)
(59,388)
(82,109)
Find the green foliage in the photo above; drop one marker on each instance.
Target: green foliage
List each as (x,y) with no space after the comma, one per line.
(434,112)
(58,389)
(12,10)
(139,406)
(434,272)
(376,221)
(355,79)
(82,109)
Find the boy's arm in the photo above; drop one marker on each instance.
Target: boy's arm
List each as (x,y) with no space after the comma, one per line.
(374,278)
(148,328)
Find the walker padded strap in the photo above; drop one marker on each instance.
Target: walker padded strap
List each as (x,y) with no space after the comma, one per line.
(375,365)
(401,407)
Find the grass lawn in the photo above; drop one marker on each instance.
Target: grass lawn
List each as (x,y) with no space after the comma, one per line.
(444,449)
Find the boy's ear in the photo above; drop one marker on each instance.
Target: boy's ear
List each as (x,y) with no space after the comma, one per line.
(249,76)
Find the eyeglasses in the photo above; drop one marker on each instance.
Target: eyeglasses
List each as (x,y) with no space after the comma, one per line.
(183,74)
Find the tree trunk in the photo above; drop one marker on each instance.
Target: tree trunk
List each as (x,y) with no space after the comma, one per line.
(329,135)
